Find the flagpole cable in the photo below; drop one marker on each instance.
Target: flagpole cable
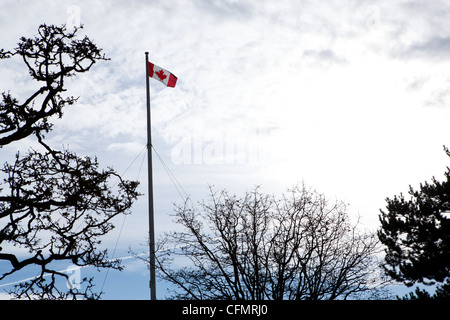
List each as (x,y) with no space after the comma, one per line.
(183,194)
(186,197)
(124,216)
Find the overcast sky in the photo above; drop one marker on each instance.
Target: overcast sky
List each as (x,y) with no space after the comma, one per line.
(350,97)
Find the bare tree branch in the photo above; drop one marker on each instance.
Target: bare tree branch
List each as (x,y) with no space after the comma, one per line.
(54,204)
(258,247)
(53,55)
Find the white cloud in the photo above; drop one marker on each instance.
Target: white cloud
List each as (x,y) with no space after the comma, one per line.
(321,75)
(341,90)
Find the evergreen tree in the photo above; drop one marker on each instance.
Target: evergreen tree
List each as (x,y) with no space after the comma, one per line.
(416,233)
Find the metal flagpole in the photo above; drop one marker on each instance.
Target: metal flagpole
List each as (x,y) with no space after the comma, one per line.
(150,191)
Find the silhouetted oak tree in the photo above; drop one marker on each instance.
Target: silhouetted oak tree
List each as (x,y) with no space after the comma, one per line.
(416,233)
(299,247)
(54,204)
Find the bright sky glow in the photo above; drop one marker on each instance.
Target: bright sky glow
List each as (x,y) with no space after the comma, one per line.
(350,97)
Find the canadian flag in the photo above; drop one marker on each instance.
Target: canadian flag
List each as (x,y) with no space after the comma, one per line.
(162,75)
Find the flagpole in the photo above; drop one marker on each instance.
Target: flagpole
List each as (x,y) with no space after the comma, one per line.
(150,190)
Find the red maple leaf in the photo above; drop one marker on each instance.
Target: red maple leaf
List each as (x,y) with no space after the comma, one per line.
(161,74)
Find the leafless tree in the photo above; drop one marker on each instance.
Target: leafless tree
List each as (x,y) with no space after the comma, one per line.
(54,205)
(298,247)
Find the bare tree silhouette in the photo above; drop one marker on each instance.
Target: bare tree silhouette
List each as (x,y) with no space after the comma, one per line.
(54,204)
(257,247)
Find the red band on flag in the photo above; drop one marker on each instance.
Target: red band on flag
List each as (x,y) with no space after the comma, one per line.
(162,75)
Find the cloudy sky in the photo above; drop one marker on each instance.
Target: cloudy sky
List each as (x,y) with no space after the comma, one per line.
(350,97)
